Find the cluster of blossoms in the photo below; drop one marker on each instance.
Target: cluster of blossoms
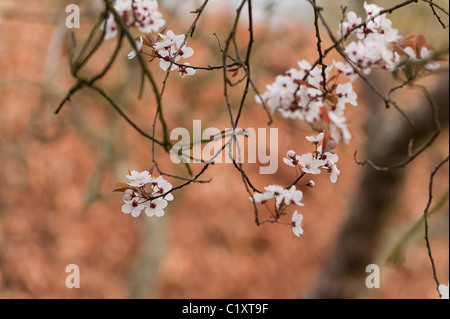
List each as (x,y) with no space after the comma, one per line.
(380,45)
(169,50)
(145,193)
(322,159)
(314,96)
(142,14)
(284,198)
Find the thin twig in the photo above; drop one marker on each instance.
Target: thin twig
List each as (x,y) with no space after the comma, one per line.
(425,218)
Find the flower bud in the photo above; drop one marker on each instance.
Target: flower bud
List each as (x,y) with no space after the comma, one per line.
(311,183)
(291,155)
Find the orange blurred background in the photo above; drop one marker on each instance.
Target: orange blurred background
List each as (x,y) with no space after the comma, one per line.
(57,172)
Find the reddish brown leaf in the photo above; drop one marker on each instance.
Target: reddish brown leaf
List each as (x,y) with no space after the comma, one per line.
(122,187)
(301,82)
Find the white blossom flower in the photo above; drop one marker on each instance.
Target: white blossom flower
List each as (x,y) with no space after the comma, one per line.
(133,53)
(171,49)
(139,179)
(346,69)
(184,70)
(166,61)
(334,173)
(291,159)
(134,206)
(338,128)
(346,26)
(148,18)
(316,139)
(443,290)
(262,197)
(128,195)
(160,187)
(294,196)
(155,207)
(186,52)
(311,183)
(297,224)
(346,94)
(169,39)
(310,164)
(427,54)
(109,27)
(281,195)
(145,12)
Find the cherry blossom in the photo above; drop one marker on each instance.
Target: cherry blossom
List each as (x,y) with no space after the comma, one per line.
(128,195)
(291,159)
(311,183)
(145,193)
(346,95)
(333,170)
(427,55)
(155,207)
(297,224)
(263,197)
(170,50)
(185,70)
(280,194)
(142,14)
(310,164)
(133,53)
(306,94)
(346,69)
(134,206)
(169,39)
(139,179)
(443,290)
(316,139)
(346,26)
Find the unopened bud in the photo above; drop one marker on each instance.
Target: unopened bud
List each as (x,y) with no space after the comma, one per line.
(311,183)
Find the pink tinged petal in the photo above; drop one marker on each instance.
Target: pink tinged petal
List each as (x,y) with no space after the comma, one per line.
(185,70)
(133,175)
(259,198)
(132,55)
(444,291)
(169,197)
(334,174)
(127,208)
(149,212)
(313,171)
(311,183)
(161,203)
(159,212)
(187,52)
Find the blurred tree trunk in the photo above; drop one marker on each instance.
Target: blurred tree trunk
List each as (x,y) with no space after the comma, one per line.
(343,274)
